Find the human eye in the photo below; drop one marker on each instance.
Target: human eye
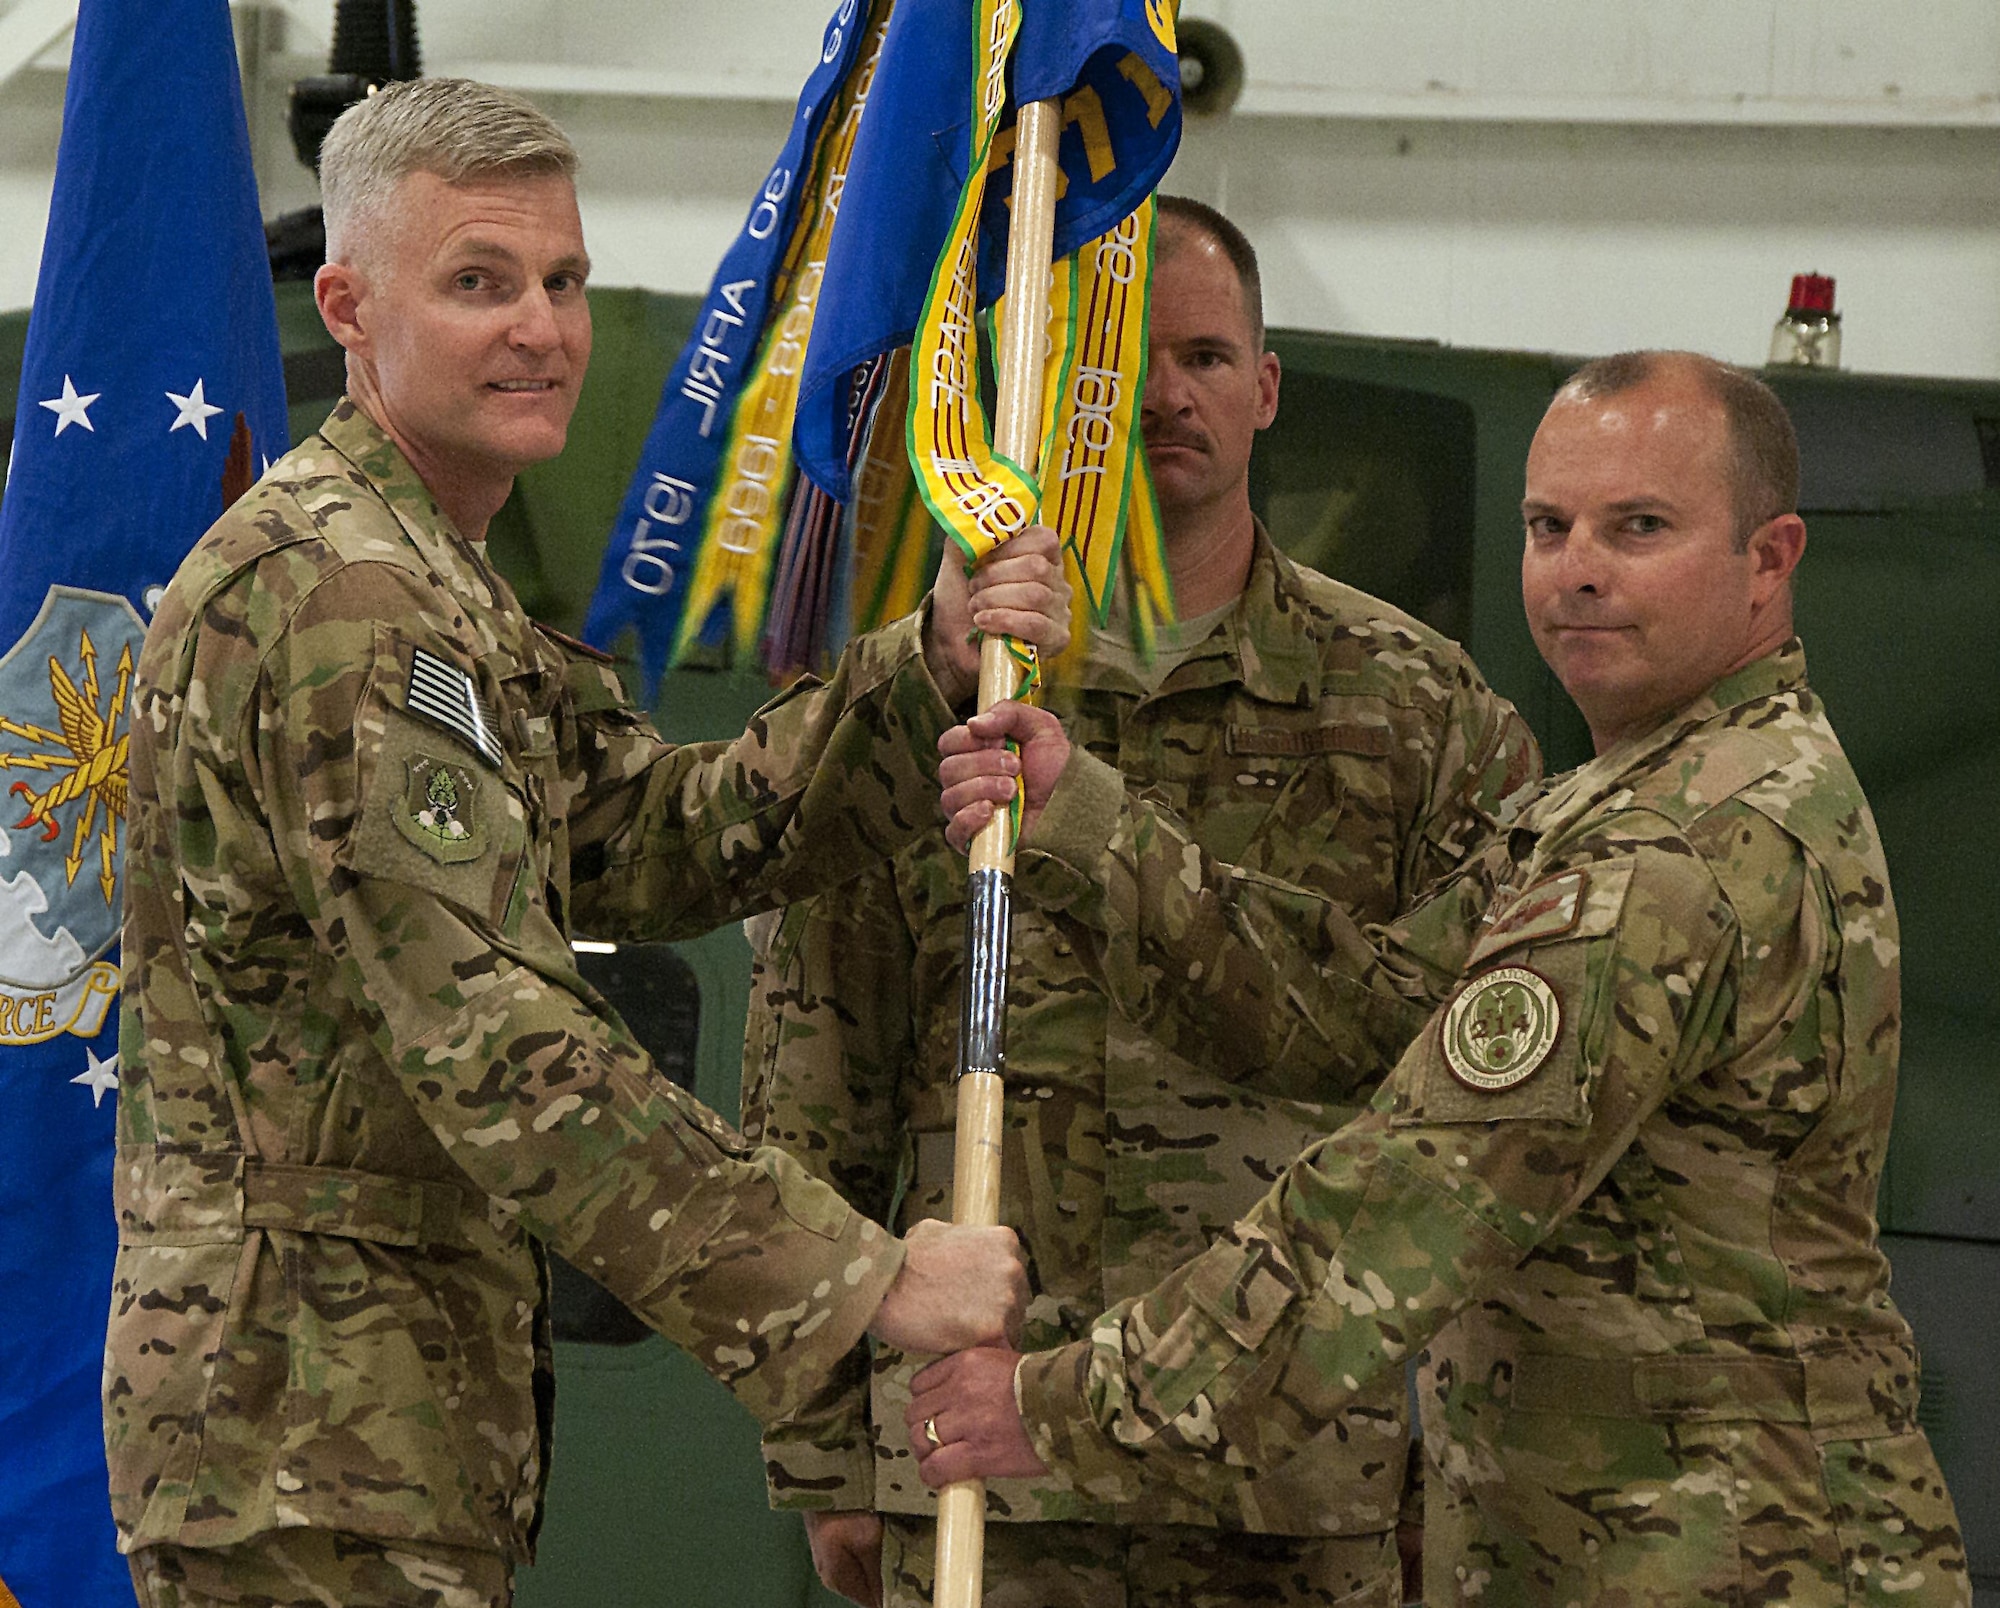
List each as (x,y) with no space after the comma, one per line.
(1645,524)
(470,280)
(567,283)
(1543,527)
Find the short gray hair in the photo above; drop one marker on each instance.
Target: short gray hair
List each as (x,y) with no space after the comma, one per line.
(454,128)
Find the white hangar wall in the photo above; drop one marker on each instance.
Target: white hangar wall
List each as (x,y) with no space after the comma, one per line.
(1577,175)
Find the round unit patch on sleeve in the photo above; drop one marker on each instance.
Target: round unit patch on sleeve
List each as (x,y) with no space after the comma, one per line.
(1501,1028)
(439,810)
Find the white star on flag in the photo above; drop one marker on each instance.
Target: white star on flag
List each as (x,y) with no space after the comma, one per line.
(195,410)
(69,408)
(101,1078)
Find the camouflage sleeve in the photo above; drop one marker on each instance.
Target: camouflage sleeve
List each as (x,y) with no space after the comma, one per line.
(1255,978)
(669,841)
(1271,983)
(1471,1156)
(828,1044)
(1487,766)
(408,854)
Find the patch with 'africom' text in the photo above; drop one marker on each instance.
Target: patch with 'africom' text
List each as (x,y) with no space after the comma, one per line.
(1501,1028)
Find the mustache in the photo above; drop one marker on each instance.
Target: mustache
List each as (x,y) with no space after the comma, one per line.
(1174,438)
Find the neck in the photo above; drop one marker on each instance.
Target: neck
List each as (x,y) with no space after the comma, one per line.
(1766,639)
(469,496)
(1209,553)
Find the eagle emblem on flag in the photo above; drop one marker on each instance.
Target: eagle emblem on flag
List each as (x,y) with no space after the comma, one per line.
(64,719)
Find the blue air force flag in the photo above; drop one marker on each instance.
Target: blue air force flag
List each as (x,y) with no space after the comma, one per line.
(151,380)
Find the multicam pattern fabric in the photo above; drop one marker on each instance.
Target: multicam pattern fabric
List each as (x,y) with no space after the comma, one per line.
(1675,1371)
(312,1568)
(1317,735)
(362,1078)
(1149,1566)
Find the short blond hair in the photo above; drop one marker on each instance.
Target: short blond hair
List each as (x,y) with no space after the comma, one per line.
(453,128)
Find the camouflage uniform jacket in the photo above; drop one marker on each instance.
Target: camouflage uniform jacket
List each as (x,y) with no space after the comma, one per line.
(361,1077)
(1635,1157)
(1318,735)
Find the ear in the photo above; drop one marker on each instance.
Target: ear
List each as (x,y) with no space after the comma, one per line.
(338,290)
(1775,550)
(1268,374)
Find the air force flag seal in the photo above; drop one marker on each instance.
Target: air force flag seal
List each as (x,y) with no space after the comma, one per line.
(65,699)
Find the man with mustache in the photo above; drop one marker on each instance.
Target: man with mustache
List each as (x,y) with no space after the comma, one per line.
(1623,1183)
(1304,729)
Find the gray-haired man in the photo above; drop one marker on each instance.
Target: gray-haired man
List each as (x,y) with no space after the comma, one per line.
(363,1082)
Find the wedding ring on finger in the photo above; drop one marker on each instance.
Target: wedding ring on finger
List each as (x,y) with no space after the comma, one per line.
(931,1434)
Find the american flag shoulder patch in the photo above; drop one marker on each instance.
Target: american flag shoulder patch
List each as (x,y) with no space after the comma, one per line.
(441,692)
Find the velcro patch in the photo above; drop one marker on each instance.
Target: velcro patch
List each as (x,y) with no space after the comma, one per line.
(1582,903)
(1501,1027)
(1547,910)
(1371,742)
(442,693)
(439,810)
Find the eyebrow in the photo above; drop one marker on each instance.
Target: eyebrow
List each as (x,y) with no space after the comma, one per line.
(477,248)
(1212,342)
(1625,505)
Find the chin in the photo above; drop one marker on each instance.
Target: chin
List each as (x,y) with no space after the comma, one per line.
(523,447)
(1174,497)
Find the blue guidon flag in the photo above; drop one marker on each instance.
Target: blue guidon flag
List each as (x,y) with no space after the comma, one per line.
(151,393)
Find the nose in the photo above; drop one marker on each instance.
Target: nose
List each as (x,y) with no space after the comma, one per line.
(534,328)
(1580,561)
(1166,394)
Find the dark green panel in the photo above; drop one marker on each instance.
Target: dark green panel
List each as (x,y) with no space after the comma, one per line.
(1900,613)
(1950,1292)
(657,1493)
(1380,429)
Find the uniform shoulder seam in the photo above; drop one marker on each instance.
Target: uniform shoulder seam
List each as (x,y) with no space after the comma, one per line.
(1731,761)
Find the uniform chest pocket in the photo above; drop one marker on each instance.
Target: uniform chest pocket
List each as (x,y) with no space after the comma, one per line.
(1283,790)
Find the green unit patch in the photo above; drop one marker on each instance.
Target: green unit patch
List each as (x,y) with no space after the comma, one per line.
(438,810)
(1501,1028)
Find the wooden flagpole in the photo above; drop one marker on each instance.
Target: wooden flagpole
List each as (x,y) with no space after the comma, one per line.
(1017,431)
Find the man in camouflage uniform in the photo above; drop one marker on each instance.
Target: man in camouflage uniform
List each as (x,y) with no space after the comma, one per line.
(1634,1154)
(1300,727)
(362,1078)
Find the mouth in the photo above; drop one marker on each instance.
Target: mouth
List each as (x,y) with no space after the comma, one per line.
(522,387)
(1172,444)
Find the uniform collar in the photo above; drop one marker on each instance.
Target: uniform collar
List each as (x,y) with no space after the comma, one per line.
(1265,643)
(1774,675)
(367,446)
